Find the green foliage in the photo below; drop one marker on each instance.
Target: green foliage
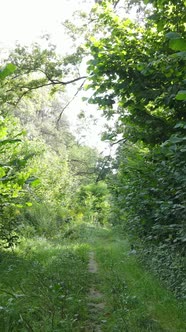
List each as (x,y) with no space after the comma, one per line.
(93,202)
(39,220)
(45,286)
(181,95)
(167,264)
(137,73)
(41,162)
(33,67)
(129,68)
(134,299)
(7,70)
(148,197)
(13,172)
(42,286)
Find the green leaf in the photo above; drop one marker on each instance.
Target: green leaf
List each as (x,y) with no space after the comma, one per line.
(175,139)
(181,95)
(33,181)
(177,44)
(181,55)
(8,70)
(180,125)
(28,204)
(2,173)
(172,35)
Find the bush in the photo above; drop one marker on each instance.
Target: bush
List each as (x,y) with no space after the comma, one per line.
(166,263)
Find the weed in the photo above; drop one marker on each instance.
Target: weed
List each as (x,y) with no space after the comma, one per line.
(45,289)
(45,286)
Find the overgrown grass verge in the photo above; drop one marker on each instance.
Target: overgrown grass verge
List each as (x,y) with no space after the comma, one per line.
(43,286)
(168,264)
(136,301)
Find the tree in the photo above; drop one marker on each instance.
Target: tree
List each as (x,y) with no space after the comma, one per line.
(92,202)
(129,69)
(36,68)
(137,73)
(13,172)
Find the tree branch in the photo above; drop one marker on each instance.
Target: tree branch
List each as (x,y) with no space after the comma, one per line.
(116,3)
(120,140)
(52,82)
(70,101)
(67,82)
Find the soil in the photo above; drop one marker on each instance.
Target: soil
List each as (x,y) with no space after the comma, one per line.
(96,305)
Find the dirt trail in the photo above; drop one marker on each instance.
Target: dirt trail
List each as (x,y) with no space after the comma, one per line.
(92,266)
(96,305)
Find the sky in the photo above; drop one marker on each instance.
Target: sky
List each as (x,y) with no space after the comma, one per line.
(25,21)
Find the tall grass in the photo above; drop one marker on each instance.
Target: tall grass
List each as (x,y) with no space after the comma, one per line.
(136,301)
(45,286)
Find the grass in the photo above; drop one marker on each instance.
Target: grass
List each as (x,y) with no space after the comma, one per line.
(135,299)
(44,287)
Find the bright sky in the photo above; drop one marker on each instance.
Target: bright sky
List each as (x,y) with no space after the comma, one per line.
(26,20)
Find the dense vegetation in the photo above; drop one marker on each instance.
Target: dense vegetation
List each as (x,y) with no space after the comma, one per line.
(42,163)
(45,286)
(136,74)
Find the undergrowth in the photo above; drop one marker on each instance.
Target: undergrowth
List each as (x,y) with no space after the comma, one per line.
(167,264)
(136,300)
(45,283)
(43,286)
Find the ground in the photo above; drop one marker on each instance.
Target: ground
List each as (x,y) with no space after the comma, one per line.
(86,279)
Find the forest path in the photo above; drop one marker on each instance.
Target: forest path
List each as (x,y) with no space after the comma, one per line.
(95,301)
(83,280)
(123,296)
